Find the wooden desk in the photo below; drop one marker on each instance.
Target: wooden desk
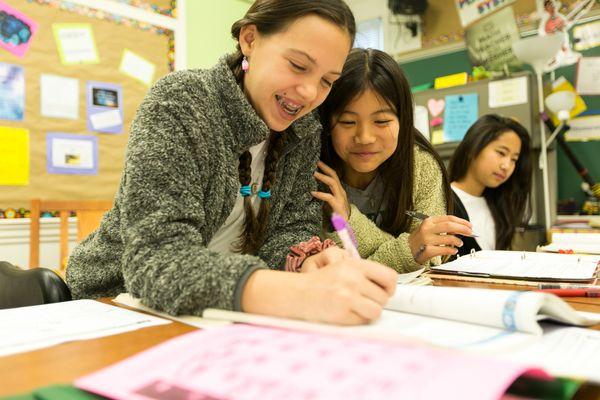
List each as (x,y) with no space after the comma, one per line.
(64,363)
(24,372)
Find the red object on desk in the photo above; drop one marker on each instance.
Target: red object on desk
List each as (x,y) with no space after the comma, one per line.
(573,292)
(566,251)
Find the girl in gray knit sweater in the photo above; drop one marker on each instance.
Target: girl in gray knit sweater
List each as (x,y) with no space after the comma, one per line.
(217,181)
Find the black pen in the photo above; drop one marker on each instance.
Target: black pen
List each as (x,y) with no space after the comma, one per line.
(420,216)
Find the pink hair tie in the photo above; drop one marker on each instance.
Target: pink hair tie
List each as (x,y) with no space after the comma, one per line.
(301,251)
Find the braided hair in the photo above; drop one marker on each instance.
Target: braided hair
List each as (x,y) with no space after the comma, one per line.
(270,17)
(255,223)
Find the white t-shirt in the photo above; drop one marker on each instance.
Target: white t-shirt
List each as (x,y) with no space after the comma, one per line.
(481,218)
(230,232)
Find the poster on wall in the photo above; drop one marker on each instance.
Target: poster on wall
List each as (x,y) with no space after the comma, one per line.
(16,30)
(104,107)
(71,154)
(586,36)
(14,156)
(75,43)
(489,41)
(12,92)
(461,112)
(59,96)
(470,11)
(137,67)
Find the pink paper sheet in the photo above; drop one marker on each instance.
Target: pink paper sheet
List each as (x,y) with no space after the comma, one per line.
(248,362)
(17,49)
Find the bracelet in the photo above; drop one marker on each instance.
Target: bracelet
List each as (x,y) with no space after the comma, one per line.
(299,253)
(420,252)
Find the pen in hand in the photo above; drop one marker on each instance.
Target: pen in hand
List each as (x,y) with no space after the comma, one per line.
(345,233)
(420,216)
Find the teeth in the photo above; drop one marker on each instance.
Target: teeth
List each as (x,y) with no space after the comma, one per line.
(289,108)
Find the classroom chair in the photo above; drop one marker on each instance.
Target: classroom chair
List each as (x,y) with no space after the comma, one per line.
(89,213)
(21,288)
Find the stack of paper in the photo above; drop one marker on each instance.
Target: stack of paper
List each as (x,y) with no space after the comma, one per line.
(30,328)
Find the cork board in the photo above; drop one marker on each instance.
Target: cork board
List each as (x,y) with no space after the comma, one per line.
(43,58)
(441,23)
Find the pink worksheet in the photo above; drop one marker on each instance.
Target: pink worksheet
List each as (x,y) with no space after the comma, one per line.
(248,362)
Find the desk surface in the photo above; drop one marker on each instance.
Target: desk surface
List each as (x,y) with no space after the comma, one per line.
(66,362)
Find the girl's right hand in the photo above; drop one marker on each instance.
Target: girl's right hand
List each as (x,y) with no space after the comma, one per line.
(435,236)
(347,291)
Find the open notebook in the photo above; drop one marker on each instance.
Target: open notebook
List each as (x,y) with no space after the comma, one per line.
(503,323)
(524,265)
(508,310)
(586,243)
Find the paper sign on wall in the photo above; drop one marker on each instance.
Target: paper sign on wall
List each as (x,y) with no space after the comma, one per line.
(59,96)
(588,76)
(17,30)
(586,36)
(137,67)
(12,92)
(14,156)
(508,92)
(461,112)
(71,154)
(75,43)
(104,107)
(422,121)
(470,11)
(489,41)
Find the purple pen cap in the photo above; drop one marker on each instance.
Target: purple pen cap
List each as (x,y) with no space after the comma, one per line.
(339,223)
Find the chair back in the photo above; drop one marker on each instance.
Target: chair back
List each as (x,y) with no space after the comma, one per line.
(21,288)
(89,214)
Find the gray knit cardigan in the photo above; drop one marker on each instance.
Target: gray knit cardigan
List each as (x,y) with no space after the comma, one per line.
(178,187)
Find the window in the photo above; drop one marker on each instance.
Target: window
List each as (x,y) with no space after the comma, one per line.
(369,34)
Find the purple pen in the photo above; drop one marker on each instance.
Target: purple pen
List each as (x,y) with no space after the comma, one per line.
(345,233)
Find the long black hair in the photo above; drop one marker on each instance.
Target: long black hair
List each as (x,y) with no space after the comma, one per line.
(270,17)
(508,202)
(373,69)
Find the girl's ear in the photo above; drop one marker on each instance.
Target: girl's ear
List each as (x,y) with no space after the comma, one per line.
(247,39)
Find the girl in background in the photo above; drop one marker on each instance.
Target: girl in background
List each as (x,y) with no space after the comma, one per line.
(217,180)
(377,166)
(491,179)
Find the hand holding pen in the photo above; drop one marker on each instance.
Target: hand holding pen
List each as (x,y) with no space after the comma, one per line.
(436,236)
(346,289)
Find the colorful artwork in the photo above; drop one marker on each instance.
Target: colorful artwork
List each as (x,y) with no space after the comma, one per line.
(12,92)
(16,30)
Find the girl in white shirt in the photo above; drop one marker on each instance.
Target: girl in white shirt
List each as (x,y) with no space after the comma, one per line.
(490,173)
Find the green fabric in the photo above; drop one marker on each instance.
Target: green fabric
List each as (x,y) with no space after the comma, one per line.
(428,198)
(556,389)
(56,392)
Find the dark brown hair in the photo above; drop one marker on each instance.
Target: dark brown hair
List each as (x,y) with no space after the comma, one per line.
(270,17)
(373,69)
(508,202)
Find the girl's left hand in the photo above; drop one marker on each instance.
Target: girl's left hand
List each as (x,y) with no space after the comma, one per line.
(337,199)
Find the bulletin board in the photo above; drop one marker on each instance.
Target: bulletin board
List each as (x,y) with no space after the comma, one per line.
(441,23)
(112,37)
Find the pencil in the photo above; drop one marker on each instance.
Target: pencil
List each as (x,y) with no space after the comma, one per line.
(421,217)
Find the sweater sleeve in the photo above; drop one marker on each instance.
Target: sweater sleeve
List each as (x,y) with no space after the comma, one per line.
(301,216)
(428,198)
(165,260)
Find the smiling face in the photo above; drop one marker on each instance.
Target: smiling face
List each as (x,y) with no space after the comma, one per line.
(497,161)
(364,136)
(290,72)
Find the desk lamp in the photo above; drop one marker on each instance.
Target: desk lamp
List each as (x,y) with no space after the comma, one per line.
(560,104)
(538,51)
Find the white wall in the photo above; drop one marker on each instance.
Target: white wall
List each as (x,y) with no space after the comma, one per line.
(14,241)
(397,38)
